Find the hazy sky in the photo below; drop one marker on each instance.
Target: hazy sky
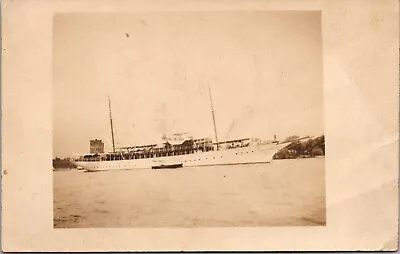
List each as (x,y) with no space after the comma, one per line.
(264,70)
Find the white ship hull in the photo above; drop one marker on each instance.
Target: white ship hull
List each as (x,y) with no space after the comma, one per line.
(244,155)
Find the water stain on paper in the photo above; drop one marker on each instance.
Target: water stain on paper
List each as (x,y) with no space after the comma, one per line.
(375,21)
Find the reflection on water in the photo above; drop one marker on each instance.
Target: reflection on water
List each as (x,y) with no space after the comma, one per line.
(282,193)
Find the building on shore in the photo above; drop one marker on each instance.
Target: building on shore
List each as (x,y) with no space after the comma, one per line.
(96,146)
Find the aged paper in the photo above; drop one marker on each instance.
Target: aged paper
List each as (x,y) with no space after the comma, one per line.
(320,68)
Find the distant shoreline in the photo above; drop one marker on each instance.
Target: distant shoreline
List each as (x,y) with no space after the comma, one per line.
(63,164)
(297,149)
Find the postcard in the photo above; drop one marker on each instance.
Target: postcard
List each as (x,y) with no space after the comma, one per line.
(199,125)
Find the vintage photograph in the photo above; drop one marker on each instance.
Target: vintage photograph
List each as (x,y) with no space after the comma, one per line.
(188,119)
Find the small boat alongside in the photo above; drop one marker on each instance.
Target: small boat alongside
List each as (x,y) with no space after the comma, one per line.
(167,166)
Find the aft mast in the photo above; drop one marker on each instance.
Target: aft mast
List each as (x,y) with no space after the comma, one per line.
(111,123)
(213,116)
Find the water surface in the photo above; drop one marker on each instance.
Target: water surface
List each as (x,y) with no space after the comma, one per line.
(281,193)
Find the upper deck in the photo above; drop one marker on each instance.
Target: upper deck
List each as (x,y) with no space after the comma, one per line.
(166,149)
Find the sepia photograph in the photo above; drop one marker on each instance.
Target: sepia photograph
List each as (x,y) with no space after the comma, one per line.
(199,125)
(188,119)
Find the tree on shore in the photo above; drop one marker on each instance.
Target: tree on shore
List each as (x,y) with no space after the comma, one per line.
(297,149)
(62,163)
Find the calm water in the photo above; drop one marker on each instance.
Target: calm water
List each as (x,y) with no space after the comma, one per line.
(282,193)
